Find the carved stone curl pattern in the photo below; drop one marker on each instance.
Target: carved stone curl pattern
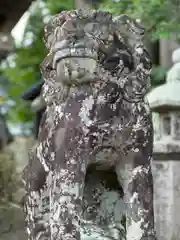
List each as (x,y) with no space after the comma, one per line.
(96,75)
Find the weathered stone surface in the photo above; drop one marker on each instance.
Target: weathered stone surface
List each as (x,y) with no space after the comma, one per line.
(96,76)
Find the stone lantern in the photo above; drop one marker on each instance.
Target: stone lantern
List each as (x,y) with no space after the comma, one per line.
(165,104)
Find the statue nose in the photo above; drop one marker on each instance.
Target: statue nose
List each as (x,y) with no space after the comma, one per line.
(75,62)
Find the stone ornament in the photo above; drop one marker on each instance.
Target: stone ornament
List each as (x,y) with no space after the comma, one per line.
(95,139)
(164,101)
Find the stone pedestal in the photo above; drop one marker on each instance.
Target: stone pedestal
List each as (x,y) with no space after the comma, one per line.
(167,198)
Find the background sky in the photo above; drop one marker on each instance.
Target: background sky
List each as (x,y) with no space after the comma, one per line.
(18,30)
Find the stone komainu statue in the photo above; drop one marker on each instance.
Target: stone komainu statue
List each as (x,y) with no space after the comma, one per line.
(95,137)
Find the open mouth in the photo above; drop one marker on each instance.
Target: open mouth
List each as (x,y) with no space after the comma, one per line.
(76,52)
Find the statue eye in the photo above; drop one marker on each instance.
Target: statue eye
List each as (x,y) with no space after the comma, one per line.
(50,68)
(111,63)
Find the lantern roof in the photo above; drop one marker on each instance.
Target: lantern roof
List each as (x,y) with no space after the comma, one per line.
(167,96)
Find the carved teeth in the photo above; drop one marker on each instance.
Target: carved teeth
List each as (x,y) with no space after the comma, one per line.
(74,52)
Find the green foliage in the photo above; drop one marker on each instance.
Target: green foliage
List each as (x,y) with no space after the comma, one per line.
(22,69)
(158,75)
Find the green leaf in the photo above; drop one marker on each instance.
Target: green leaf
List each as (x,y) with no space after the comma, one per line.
(23,67)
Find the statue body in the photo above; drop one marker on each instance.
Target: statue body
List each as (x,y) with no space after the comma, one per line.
(95,141)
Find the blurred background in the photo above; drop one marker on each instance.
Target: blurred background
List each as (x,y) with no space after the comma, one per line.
(21,52)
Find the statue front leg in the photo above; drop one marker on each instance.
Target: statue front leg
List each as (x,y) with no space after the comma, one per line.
(67,190)
(37,213)
(136,178)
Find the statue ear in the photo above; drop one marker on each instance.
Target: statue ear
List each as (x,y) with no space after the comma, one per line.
(129,29)
(132,24)
(47,65)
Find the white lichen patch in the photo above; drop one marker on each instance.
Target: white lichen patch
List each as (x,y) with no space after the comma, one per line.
(72,189)
(136,150)
(142,212)
(73,161)
(139,50)
(28,231)
(41,158)
(86,107)
(134,231)
(59,137)
(101,99)
(52,158)
(57,213)
(133,199)
(139,170)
